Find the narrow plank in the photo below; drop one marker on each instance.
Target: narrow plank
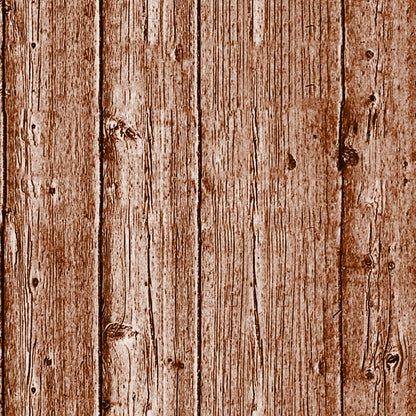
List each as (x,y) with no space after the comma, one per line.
(271,207)
(51,250)
(150,207)
(378,127)
(3,201)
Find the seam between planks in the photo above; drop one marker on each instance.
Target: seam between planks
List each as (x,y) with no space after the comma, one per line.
(341,167)
(4,200)
(199,202)
(100,224)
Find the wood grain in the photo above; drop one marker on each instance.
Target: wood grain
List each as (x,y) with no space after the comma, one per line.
(208,207)
(51,229)
(378,126)
(271,207)
(150,207)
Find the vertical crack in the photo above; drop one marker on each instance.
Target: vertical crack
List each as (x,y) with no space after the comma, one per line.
(341,146)
(100,224)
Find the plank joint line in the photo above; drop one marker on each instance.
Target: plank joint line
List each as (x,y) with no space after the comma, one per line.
(100,224)
(340,166)
(199,202)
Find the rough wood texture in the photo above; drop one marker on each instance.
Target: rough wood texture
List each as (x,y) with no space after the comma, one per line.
(149,209)
(51,235)
(208,207)
(271,207)
(379,151)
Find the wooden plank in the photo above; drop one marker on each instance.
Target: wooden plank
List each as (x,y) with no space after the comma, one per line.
(378,127)
(271,207)
(3,201)
(51,254)
(150,207)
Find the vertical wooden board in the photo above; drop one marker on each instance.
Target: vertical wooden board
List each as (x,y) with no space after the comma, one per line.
(271,207)
(379,155)
(3,199)
(51,227)
(150,207)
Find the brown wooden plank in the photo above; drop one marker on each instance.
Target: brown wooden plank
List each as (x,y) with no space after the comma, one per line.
(378,127)
(51,250)
(271,207)
(3,201)
(150,207)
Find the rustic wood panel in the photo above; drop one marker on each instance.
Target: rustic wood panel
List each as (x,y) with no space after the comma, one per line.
(208,207)
(150,207)
(271,207)
(51,229)
(3,199)
(379,154)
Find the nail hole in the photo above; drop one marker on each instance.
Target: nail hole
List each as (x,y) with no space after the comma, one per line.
(52,191)
(33,126)
(372,98)
(35,281)
(391,265)
(369,375)
(33,389)
(48,362)
(33,45)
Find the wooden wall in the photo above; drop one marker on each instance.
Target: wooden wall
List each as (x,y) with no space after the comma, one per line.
(208,207)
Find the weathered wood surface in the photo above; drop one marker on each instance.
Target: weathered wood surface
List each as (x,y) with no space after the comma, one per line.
(150,207)
(378,127)
(208,207)
(271,208)
(51,228)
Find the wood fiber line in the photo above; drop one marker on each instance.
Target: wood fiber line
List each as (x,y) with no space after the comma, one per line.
(379,162)
(150,207)
(271,207)
(51,253)
(3,180)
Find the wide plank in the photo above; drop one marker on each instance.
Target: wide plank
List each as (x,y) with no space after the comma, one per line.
(52,208)
(149,230)
(271,207)
(378,227)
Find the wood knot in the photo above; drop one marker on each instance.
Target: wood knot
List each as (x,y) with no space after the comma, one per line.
(392,361)
(178,53)
(349,157)
(291,162)
(116,331)
(368,262)
(105,405)
(118,130)
(369,54)
(176,364)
